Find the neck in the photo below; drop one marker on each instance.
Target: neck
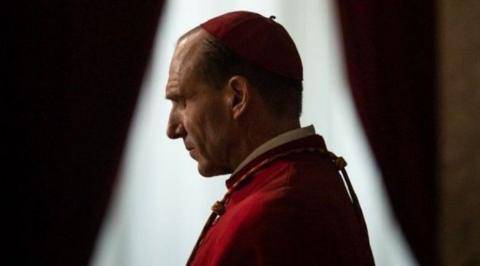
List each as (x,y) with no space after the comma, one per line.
(255,134)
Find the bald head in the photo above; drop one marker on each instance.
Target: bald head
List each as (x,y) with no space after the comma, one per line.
(188,50)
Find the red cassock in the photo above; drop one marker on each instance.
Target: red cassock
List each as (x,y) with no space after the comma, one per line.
(292,209)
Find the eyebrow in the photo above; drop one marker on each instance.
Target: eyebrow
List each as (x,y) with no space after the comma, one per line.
(171,94)
(175,95)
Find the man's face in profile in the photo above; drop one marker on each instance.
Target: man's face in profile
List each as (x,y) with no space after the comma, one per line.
(199,113)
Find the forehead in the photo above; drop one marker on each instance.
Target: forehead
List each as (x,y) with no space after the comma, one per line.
(184,62)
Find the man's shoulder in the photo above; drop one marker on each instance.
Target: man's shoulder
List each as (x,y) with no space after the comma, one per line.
(290,177)
(298,181)
(298,169)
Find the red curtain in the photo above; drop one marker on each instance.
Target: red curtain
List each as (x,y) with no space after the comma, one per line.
(76,70)
(390,59)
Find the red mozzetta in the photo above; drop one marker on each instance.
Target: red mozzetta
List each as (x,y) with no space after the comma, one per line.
(293,210)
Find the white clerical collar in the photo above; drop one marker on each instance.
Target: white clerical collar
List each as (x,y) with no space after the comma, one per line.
(281,139)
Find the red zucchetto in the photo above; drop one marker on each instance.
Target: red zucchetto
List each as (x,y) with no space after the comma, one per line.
(259,40)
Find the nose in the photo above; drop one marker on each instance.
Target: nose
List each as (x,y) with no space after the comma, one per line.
(175,128)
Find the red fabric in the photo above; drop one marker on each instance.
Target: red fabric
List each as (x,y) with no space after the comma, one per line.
(259,40)
(389,48)
(293,211)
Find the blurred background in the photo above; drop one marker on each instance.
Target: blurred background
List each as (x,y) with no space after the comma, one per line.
(393,88)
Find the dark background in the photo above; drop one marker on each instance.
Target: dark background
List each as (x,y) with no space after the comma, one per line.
(74,69)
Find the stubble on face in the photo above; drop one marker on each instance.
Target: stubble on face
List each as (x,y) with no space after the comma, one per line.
(199,112)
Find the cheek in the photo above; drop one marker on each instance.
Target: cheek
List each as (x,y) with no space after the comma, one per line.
(200,127)
(206,131)
(207,121)
(219,136)
(217,119)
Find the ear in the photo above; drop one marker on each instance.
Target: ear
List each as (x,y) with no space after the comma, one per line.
(239,95)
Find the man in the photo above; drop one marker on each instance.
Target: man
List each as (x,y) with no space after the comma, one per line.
(235,83)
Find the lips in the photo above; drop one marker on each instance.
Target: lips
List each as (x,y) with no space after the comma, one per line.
(190,149)
(192,153)
(188,145)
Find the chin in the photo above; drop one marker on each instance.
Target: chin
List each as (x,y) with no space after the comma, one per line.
(209,171)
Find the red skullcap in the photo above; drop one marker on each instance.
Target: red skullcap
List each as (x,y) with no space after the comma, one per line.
(259,40)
